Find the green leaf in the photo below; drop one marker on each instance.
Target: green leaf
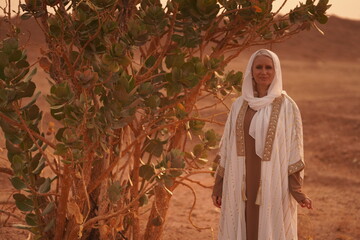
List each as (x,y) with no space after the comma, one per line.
(55,30)
(11,71)
(211,138)
(198,150)
(4,59)
(168,181)
(322,6)
(45,187)
(48,208)
(123,61)
(146,172)
(25,89)
(59,134)
(70,136)
(31,219)
(33,113)
(12,148)
(173,88)
(39,167)
(153,101)
(157,221)
(62,91)
(60,149)
(23,203)
(30,75)
(143,200)
(234,79)
(322,19)
(155,147)
(10,44)
(180,111)
(114,192)
(17,183)
(16,56)
(26,16)
(174,59)
(49,225)
(146,89)
(196,126)
(17,163)
(150,61)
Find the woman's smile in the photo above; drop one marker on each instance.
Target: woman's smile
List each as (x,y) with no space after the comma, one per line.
(263,72)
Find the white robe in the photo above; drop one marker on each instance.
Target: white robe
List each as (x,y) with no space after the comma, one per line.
(278,209)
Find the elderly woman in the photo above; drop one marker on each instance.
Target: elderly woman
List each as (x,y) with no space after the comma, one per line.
(261,162)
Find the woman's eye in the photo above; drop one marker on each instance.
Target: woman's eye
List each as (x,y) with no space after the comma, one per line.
(268,67)
(258,67)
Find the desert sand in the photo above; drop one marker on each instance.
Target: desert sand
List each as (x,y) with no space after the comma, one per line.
(322,74)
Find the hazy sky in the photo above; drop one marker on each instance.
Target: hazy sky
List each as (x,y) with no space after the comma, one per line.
(342,8)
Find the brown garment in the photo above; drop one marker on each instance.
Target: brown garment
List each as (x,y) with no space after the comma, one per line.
(295,185)
(218,186)
(253,173)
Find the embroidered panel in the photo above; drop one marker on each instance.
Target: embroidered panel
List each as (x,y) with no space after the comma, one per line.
(240,139)
(220,171)
(276,105)
(293,168)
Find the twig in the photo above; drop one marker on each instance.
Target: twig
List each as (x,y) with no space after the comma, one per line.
(141,78)
(34,140)
(11,215)
(35,134)
(192,207)
(6,171)
(193,181)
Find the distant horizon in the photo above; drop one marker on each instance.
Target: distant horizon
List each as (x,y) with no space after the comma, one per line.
(347,9)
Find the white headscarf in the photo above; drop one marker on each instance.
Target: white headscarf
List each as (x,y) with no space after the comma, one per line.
(260,122)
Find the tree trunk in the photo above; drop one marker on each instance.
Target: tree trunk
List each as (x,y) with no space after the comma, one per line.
(65,184)
(155,224)
(135,193)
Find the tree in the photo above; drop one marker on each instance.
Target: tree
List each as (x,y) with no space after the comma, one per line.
(127,77)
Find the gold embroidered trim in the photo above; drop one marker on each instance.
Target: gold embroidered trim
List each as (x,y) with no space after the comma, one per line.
(240,139)
(270,136)
(220,171)
(293,168)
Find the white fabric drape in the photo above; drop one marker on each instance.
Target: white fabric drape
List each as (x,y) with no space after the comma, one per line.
(260,121)
(278,211)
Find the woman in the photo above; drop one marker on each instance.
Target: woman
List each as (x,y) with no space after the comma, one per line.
(261,161)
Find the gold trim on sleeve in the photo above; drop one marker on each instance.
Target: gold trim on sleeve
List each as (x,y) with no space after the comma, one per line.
(295,167)
(270,136)
(240,139)
(220,171)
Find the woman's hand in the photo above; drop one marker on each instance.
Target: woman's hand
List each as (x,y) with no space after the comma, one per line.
(306,203)
(216,201)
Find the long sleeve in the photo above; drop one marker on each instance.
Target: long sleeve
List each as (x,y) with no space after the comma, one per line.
(295,186)
(219,178)
(218,186)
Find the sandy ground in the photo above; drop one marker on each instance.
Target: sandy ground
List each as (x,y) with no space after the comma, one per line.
(328,95)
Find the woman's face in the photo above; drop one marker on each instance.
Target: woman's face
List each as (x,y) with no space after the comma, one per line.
(263,71)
